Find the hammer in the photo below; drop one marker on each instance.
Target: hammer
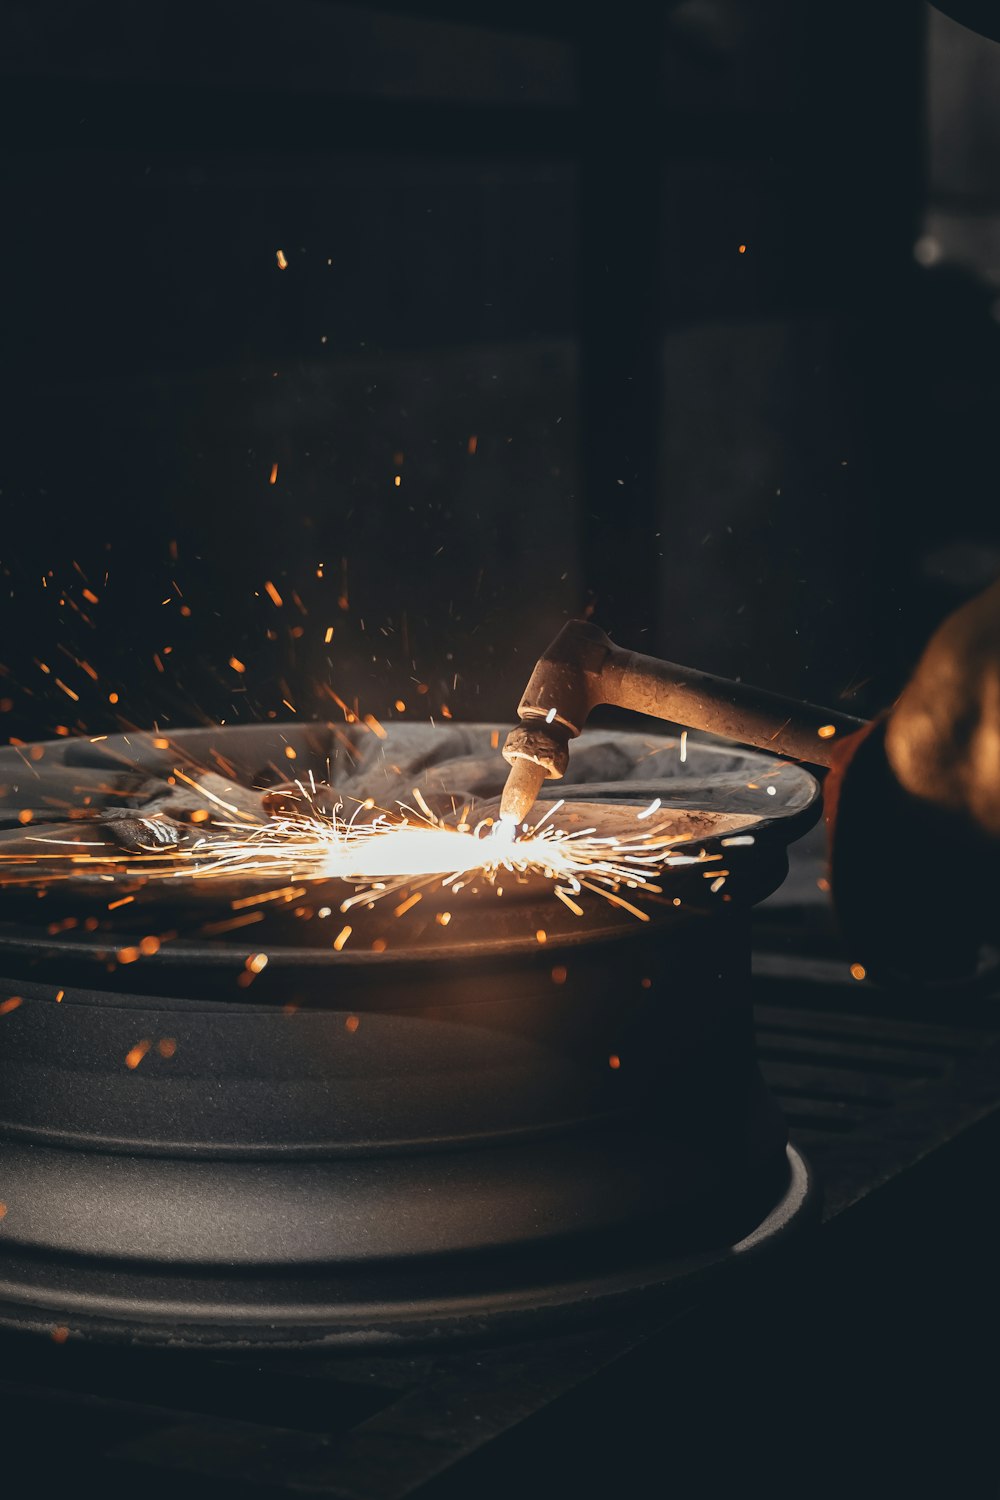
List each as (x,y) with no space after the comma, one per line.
(583,668)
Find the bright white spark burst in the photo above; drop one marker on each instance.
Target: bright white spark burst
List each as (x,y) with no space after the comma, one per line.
(383,855)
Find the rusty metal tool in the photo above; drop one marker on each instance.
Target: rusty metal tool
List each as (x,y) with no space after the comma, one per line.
(583,668)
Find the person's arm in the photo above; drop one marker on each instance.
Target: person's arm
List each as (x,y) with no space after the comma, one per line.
(913,809)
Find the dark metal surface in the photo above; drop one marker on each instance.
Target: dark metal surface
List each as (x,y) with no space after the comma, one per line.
(875,1083)
(505,1293)
(473,1128)
(289,1178)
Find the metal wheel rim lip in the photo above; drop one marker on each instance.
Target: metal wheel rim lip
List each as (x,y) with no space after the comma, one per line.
(181,955)
(798,803)
(408,1323)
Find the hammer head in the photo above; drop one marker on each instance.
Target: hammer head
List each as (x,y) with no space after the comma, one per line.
(563,688)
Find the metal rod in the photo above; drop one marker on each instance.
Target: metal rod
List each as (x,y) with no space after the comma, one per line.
(735,710)
(583,668)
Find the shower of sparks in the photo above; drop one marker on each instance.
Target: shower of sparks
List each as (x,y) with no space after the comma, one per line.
(386,856)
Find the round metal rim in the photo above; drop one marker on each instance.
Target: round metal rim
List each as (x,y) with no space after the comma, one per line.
(229,1325)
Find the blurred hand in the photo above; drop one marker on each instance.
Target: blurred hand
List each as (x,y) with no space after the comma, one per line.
(943,736)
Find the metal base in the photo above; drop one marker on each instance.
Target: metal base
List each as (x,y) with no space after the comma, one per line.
(330,1306)
(465,1132)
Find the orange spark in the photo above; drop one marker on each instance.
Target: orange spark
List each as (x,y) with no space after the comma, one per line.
(287,892)
(212,928)
(136,1054)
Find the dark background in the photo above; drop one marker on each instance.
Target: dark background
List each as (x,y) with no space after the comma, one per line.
(520,227)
